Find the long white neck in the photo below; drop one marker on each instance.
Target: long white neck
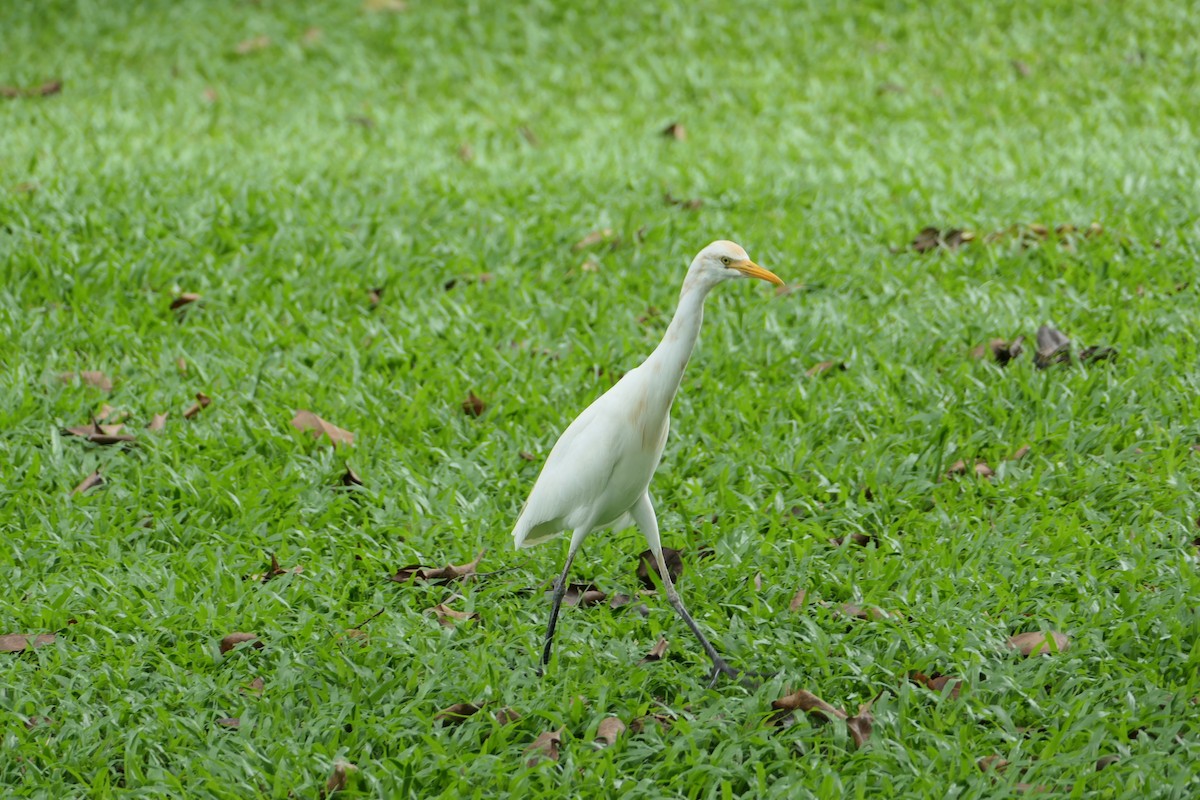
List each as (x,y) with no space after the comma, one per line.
(669,359)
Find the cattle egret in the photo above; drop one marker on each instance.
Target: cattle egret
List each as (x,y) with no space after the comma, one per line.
(599,471)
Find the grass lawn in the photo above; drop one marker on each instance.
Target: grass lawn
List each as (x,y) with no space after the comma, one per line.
(383,213)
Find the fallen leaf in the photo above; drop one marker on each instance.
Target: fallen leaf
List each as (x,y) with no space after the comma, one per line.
(90,482)
(339,778)
(1106,761)
(202,402)
(757,580)
(308,421)
(609,731)
(1022,69)
(858,612)
(456,714)
(1037,643)
(803,701)
(158,422)
(660,721)
(545,746)
(234,639)
(993,763)
(507,716)
(593,238)
(825,367)
(860,725)
(856,537)
(361,120)
(447,616)
(17,642)
(980,469)
(444,574)
(652,312)
(375,296)
(466,153)
(38,722)
(983,470)
(582,594)
(350,478)
(101,434)
(48,88)
(210,95)
(690,205)
(255,687)
(253,45)
(590,264)
(473,406)
(527,456)
(1053,347)
(674,563)
(675,131)
(938,683)
(889,88)
(230,722)
(90,377)
(1020,453)
(187,298)
(311,35)
(798,600)
(656,653)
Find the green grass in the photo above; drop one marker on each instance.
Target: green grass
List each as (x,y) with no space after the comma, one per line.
(171,163)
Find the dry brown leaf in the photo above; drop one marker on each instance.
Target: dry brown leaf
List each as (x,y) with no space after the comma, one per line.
(308,421)
(527,456)
(43,722)
(1002,351)
(255,687)
(101,434)
(466,153)
(210,95)
(253,45)
(90,482)
(507,716)
(1020,453)
(825,368)
(798,600)
(661,721)
(855,538)
(184,299)
(473,406)
(1106,761)
(609,731)
(230,722)
(350,478)
(545,746)
(675,131)
(234,639)
(158,422)
(444,574)
(861,724)
(339,778)
(646,562)
(593,238)
(361,120)
(1022,69)
(48,88)
(980,469)
(938,683)
(1037,643)
(656,653)
(202,401)
(1053,347)
(17,642)
(375,296)
(1097,353)
(993,763)
(803,701)
(456,714)
(582,594)
(90,377)
(689,205)
(447,616)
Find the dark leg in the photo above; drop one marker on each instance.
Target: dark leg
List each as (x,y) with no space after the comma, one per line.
(560,589)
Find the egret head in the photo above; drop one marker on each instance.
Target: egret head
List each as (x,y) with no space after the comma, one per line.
(722,261)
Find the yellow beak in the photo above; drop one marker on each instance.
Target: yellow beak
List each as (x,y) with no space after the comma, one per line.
(752,270)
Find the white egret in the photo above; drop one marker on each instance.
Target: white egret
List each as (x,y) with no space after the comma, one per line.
(599,471)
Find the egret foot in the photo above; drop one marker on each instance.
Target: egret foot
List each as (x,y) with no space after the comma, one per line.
(721,668)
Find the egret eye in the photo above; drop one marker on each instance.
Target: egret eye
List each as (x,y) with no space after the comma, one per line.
(725,260)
